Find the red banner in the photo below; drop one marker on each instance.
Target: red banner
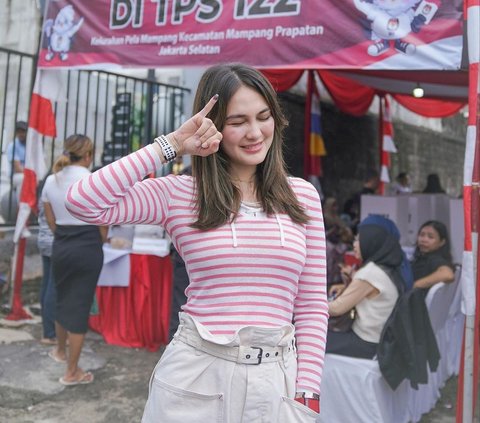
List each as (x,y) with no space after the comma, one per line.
(402,34)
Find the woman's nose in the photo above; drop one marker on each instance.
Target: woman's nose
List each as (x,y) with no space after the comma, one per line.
(254,131)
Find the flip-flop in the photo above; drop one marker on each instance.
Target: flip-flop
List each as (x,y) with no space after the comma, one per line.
(52,355)
(48,341)
(85,379)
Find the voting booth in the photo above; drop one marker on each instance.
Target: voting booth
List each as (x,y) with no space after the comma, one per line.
(410,211)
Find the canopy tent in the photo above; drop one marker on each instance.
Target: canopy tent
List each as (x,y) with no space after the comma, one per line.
(353,90)
(360,48)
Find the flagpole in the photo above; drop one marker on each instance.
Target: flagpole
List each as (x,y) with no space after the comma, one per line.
(17,312)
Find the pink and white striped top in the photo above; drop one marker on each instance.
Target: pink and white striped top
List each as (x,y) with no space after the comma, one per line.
(260,270)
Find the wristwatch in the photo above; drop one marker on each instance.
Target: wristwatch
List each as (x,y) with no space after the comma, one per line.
(309,399)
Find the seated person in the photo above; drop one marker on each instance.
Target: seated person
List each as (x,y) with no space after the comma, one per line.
(339,239)
(373,292)
(351,209)
(432,261)
(401,184)
(16,156)
(389,225)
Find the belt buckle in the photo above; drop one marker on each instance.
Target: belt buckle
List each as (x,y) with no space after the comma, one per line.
(260,354)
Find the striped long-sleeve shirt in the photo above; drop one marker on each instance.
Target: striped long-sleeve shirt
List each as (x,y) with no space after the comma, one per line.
(259,270)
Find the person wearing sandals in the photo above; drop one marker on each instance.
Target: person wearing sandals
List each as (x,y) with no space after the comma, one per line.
(47,291)
(77,258)
(253,243)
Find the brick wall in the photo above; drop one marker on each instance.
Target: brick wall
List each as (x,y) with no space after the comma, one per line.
(352,147)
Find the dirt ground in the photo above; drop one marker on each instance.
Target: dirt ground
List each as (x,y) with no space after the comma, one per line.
(30,392)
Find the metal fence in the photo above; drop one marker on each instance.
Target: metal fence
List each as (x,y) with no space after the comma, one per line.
(119,113)
(17,73)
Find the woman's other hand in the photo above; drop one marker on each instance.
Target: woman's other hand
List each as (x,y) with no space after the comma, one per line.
(335,291)
(346,272)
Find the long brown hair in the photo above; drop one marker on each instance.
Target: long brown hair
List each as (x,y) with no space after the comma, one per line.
(217,198)
(75,148)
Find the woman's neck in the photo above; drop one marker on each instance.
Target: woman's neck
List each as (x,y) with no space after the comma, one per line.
(245,181)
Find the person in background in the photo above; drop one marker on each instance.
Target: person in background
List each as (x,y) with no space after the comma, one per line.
(373,292)
(339,239)
(77,258)
(391,227)
(401,184)
(433,185)
(352,205)
(432,261)
(16,156)
(253,242)
(47,291)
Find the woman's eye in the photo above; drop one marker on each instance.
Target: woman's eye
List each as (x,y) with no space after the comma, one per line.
(264,117)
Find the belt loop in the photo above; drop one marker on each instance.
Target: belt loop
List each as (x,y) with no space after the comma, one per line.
(287,353)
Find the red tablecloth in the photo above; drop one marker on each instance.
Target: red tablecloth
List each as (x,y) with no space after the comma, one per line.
(138,315)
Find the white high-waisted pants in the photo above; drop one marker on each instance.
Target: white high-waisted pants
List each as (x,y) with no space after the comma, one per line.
(190,385)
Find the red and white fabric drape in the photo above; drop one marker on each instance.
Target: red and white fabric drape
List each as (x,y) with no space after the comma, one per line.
(41,122)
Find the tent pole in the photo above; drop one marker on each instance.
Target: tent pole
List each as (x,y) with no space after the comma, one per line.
(471,283)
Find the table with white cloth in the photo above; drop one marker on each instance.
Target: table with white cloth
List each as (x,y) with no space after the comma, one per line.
(354,390)
(134,299)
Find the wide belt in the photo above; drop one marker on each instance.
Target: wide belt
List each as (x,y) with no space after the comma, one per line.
(240,354)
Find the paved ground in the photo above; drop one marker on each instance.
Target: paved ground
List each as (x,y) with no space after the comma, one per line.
(30,392)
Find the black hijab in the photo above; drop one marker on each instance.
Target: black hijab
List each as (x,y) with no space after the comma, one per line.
(379,246)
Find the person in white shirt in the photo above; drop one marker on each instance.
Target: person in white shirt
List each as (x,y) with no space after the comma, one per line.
(373,292)
(77,258)
(401,184)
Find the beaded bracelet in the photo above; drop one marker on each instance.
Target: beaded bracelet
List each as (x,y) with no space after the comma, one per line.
(168,151)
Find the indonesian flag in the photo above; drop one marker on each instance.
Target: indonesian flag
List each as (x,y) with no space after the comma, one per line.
(388,146)
(41,122)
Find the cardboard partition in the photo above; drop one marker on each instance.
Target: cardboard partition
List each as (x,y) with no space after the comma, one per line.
(394,208)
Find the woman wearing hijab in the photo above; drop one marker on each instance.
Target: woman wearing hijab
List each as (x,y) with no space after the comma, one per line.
(373,292)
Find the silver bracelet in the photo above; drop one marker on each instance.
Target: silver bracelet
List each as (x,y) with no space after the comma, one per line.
(168,151)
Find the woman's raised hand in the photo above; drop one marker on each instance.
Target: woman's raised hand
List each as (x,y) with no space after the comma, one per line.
(198,136)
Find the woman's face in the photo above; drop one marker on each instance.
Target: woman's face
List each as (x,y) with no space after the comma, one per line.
(356,248)
(428,240)
(248,130)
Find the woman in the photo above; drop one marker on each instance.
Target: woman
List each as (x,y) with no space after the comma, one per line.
(253,243)
(433,185)
(432,260)
(77,258)
(373,292)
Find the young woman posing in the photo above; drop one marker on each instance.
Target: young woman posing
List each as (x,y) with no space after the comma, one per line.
(254,247)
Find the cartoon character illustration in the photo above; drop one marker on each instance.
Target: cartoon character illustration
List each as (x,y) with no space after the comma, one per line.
(392,20)
(60,32)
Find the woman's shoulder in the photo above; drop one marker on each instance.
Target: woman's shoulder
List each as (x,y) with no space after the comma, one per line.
(370,269)
(302,187)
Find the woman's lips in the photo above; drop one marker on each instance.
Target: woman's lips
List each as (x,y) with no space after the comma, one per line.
(253,148)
